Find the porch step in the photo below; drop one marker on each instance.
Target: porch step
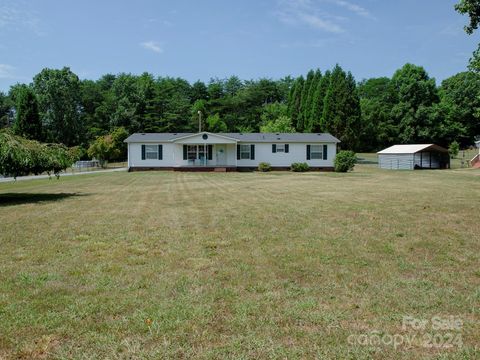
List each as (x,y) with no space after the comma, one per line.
(220,169)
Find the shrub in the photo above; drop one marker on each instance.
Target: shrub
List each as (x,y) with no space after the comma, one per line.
(264,167)
(453,149)
(299,167)
(345,161)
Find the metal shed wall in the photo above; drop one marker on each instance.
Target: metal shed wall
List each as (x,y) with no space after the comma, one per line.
(396,161)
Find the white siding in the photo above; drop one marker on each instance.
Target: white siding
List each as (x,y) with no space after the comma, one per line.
(135,156)
(396,161)
(297,153)
(173,156)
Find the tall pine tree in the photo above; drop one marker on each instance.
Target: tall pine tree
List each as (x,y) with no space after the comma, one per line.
(308,114)
(341,111)
(300,125)
(295,99)
(318,100)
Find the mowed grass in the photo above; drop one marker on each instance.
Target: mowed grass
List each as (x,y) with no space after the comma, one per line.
(238,265)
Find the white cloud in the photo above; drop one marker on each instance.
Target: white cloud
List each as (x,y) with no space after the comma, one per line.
(319,43)
(313,14)
(320,23)
(7,71)
(14,16)
(152,46)
(305,12)
(357,9)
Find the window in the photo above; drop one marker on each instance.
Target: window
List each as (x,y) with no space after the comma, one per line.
(191,152)
(151,152)
(280,147)
(316,152)
(245,152)
(201,152)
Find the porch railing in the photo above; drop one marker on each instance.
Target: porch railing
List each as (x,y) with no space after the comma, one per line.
(475,159)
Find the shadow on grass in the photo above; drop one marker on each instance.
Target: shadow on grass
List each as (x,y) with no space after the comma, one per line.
(8,199)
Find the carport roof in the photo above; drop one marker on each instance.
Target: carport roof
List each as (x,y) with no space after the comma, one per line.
(411,149)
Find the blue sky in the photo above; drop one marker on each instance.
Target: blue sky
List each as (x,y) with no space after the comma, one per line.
(215,38)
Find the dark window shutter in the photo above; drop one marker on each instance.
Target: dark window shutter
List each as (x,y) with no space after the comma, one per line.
(210,152)
(274,148)
(325,149)
(286,148)
(143,152)
(160,152)
(238,152)
(252,152)
(308,152)
(184,152)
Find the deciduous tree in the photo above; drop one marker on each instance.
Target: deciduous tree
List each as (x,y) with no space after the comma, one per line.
(58,94)
(27,119)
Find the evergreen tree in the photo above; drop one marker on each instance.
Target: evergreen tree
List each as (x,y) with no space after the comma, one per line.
(294,101)
(309,108)
(318,100)
(341,110)
(199,91)
(301,120)
(27,119)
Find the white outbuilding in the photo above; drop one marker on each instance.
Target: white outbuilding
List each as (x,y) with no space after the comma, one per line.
(414,156)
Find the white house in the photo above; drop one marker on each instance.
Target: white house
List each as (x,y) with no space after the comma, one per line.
(229,151)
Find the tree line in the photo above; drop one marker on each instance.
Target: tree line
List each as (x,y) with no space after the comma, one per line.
(409,107)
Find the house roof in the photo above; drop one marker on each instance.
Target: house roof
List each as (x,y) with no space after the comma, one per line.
(243,137)
(411,149)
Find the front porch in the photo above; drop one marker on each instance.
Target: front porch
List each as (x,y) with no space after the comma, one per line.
(205,151)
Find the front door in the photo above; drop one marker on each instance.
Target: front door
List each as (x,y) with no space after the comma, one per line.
(221,153)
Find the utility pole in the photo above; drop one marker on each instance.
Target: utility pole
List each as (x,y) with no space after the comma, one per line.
(199,121)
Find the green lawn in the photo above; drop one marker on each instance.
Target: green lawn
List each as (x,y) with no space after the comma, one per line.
(238,265)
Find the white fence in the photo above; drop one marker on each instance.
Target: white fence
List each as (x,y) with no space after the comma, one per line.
(86,164)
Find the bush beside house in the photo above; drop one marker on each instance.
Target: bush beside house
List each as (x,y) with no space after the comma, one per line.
(345,161)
